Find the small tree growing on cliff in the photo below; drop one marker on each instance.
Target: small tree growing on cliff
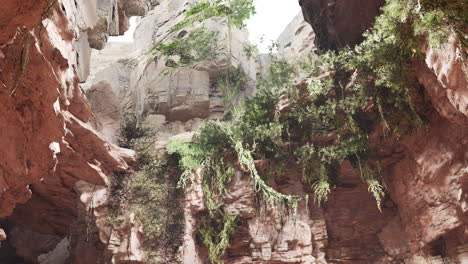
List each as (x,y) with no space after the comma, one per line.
(131,131)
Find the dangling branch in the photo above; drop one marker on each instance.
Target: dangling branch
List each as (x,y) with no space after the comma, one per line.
(24,61)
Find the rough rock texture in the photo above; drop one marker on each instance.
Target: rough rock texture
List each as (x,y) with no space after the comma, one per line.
(349,228)
(423,218)
(56,154)
(445,80)
(432,197)
(138,7)
(297,40)
(184,93)
(112,18)
(26,242)
(47,143)
(168,101)
(108,23)
(106,108)
(339,23)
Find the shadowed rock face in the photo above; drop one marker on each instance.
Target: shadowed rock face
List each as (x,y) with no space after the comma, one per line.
(338,23)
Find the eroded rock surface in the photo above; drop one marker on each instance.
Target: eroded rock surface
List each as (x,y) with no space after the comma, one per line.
(57,148)
(169,100)
(339,23)
(297,40)
(47,141)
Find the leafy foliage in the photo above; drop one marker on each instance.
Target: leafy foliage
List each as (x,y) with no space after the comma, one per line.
(328,117)
(197,45)
(251,50)
(215,232)
(237,12)
(131,131)
(317,124)
(231,84)
(438,15)
(151,194)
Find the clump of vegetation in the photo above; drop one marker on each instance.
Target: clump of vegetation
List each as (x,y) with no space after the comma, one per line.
(215,231)
(237,11)
(436,16)
(197,45)
(318,124)
(328,116)
(231,84)
(251,50)
(131,131)
(151,194)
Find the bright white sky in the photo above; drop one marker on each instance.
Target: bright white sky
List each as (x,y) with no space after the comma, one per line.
(128,35)
(271,19)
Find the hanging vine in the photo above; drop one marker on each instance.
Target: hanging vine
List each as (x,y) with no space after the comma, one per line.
(318,124)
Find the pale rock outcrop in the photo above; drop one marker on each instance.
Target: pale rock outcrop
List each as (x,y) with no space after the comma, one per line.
(83,55)
(148,87)
(113,18)
(171,105)
(112,64)
(138,7)
(107,84)
(181,94)
(107,23)
(297,40)
(58,255)
(106,108)
(445,79)
(81,15)
(167,130)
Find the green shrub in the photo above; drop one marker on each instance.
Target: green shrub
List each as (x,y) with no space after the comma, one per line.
(131,131)
(151,194)
(236,11)
(324,121)
(215,231)
(231,84)
(382,74)
(198,45)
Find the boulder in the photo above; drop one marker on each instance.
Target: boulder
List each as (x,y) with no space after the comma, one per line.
(339,23)
(105,105)
(296,42)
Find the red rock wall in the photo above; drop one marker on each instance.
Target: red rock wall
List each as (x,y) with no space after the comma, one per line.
(429,183)
(424,215)
(46,142)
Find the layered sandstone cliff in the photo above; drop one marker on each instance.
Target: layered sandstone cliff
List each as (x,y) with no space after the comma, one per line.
(62,111)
